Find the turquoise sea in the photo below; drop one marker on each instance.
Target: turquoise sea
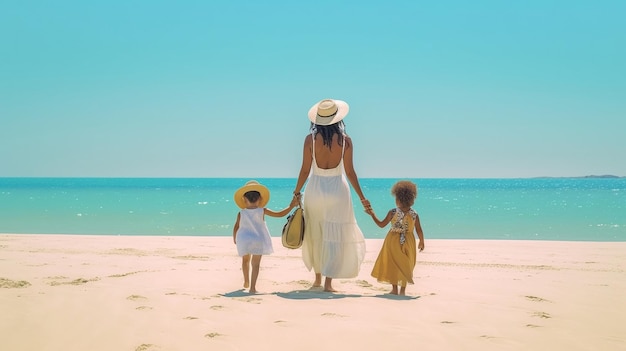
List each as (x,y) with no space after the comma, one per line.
(573,209)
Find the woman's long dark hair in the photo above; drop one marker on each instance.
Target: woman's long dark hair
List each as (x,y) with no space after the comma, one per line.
(327,132)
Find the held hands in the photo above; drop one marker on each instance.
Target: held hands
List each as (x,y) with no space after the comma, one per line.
(367,206)
(295,201)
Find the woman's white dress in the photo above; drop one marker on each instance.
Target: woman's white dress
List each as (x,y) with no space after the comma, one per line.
(253,236)
(333,242)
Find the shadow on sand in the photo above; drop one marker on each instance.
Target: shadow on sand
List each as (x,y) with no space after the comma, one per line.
(397,297)
(316,294)
(242,293)
(313,294)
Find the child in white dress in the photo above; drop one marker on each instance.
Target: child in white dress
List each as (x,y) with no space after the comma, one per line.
(250,232)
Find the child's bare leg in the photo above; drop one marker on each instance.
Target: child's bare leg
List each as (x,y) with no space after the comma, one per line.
(256,263)
(394,289)
(245,267)
(318,280)
(328,285)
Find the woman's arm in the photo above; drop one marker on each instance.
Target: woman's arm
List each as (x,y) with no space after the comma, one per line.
(351,173)
(305,169)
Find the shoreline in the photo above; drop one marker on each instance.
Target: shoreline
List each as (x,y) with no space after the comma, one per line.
(116,292)
(277,237)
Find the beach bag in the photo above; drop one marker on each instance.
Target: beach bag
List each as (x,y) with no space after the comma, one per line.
(293,230)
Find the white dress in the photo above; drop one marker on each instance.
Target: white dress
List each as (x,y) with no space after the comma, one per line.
(333,242)
(253,236)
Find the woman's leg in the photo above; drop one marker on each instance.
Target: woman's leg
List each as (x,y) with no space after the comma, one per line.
(328,285)
(318,280)
(256,263)
(245,267)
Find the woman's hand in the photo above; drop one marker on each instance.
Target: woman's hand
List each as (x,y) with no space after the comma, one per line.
(366,205)
(295,201)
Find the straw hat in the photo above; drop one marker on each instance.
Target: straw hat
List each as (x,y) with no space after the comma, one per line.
(252,185)
(329,111)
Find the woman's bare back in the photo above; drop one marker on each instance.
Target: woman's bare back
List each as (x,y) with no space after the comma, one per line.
(325,157)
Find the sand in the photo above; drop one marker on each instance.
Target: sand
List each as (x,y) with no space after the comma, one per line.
(114,293)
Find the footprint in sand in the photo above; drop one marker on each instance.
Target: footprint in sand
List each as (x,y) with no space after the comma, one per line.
(192,257)
(79,281)
(190,318)
(302,282)
(216,307)
(330,314)
(136,297)
(125,274)
(141,308)
(249,299)
(146,347)
(212,335)
(11,284)
(535,298)
(541,315)
(127,251)
(363,283)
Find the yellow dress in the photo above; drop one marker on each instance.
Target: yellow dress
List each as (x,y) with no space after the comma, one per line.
(396,260)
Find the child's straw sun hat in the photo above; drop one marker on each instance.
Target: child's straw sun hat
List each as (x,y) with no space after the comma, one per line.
(252,185)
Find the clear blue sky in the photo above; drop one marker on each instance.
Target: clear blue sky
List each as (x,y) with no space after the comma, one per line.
(221,88)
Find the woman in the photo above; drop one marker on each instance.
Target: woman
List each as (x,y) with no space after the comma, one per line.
(333,242)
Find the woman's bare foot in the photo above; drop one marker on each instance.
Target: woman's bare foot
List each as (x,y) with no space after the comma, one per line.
(394,290)
(246,285)
(318,280)
(252,291)
(328,285)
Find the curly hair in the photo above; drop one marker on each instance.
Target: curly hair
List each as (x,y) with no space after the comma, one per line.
(327,132)
(405,192)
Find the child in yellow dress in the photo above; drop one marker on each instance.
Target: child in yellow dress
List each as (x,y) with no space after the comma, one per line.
(396,260)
